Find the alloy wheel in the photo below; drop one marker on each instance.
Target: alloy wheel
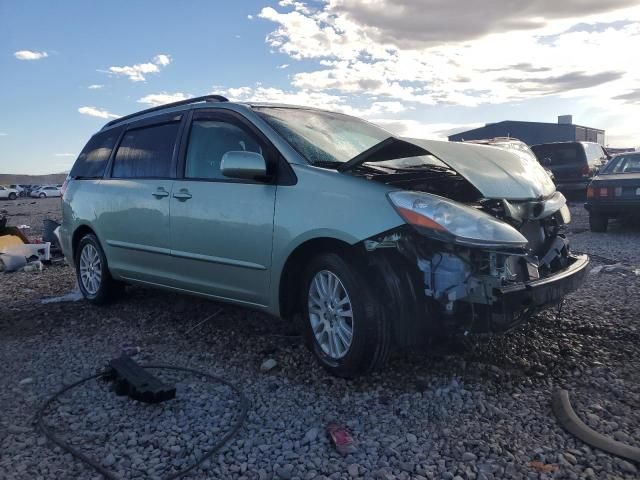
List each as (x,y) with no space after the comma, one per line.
(90,269)
(330,314)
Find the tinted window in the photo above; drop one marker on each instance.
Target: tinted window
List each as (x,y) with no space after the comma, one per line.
(559,154)
(94,156)
(146,152)
(209,140)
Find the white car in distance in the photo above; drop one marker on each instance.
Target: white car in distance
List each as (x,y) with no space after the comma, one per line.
(46,191)
(9,193)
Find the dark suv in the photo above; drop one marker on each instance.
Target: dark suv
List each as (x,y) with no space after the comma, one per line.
(573,164)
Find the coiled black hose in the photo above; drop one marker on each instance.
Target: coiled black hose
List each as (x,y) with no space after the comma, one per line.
(244,409)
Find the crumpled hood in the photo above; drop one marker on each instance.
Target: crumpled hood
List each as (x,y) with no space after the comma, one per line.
(496,173)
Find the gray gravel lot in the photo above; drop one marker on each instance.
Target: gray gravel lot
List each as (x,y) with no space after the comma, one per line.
(472,409)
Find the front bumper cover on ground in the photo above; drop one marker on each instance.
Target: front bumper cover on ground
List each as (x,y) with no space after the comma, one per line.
(536,294)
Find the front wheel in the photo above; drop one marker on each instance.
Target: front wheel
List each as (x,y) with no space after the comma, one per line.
(598,223)
(92,271)
(344,321)
(12,196)
(42,195)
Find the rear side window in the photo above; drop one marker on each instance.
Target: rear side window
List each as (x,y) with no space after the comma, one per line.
(595,154)
(146,152)
(560,154)
(94,156)
(624,164)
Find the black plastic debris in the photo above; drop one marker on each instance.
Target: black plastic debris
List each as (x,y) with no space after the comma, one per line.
(132,380)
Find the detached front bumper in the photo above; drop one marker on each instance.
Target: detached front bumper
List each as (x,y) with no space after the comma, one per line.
(536,294)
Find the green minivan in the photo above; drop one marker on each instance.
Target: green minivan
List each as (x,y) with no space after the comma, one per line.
(370,242)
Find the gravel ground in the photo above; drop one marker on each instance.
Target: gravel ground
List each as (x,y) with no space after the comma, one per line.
(472,409)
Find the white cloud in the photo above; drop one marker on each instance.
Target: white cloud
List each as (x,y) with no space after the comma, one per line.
(96,112)
(384,58)
(542,48)
(64,154)
(30,55)
(95,86)
(250,17)
(162,60)
(420,23)
(3,134)
(137,72)
(418,129)
(308,98)
(155,99)
(283,66)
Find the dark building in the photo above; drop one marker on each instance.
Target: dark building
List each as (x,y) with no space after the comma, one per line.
(533,133)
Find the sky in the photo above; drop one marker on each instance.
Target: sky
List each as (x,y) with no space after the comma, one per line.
(421,68)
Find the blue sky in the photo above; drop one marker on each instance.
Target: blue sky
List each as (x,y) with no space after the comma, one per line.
(419,67)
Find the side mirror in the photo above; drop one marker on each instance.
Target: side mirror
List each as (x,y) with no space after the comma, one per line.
(244,165)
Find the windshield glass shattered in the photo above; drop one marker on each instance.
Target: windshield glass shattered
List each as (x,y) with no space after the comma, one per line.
(323,137)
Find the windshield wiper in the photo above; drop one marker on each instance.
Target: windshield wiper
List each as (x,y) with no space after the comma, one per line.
(326,163)
(388,149)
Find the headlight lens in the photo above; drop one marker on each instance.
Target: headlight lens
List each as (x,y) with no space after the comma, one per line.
(449,221)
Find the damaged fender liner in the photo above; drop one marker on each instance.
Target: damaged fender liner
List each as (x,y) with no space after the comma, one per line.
(545,291)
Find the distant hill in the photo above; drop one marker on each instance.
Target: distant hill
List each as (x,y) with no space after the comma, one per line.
(51,179)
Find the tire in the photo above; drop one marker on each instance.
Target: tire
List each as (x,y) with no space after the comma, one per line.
(12,196)
(598,223)
(98,291)
(43,195)
(370,344)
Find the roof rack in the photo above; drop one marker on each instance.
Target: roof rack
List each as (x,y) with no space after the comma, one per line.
(188,101)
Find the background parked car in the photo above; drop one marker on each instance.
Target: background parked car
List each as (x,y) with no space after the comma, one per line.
(32,188)
(19,188)
(7,192)
(614,192)
(46,191)
(573,164)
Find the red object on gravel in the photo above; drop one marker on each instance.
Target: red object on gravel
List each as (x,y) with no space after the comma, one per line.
(341,438)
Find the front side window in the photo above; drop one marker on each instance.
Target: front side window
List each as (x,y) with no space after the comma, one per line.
(209,140)
(146,152)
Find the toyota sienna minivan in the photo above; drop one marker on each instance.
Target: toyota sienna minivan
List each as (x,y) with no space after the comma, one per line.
(371,242)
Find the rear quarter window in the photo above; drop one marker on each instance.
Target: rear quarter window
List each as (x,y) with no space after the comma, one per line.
(561,154)
(594,152)
(92,161)
(146,152)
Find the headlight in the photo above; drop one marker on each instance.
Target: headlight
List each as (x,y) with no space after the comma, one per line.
(446,220)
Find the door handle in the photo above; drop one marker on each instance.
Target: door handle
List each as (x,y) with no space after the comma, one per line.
(161,192)
(182,195)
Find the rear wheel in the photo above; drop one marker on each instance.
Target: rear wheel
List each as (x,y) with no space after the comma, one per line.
(42,195)
(598,223)
(94,279)
(344,322)
(12,196)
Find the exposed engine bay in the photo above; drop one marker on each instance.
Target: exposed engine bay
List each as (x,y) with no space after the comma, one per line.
(476,278)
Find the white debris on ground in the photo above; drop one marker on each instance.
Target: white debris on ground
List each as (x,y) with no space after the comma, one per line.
(475,409)
(73,296)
